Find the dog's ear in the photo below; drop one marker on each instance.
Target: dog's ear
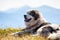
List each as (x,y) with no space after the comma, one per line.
(34,13)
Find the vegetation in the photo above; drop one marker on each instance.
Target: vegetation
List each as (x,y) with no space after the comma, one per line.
(4,35)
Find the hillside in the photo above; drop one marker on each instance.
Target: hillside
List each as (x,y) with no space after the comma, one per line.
(5,35)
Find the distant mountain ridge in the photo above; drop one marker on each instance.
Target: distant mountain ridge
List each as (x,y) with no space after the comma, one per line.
(14,17)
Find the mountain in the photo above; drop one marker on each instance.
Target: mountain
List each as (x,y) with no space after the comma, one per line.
(51,14)
(14,17)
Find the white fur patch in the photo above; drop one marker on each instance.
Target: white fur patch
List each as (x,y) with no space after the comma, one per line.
(54,35)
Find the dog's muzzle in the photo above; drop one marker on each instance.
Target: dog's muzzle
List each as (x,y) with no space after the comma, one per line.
(26,19)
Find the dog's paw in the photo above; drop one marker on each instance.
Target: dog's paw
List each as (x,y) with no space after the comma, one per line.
(14,34)
(35,35)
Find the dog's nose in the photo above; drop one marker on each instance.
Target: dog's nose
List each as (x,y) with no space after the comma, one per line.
(25,16)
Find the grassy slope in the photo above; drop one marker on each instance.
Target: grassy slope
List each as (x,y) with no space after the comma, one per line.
(26,37)
(4,35)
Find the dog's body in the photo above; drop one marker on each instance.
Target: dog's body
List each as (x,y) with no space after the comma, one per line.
(36,24)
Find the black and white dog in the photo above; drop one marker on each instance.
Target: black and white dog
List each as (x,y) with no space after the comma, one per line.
(36,24)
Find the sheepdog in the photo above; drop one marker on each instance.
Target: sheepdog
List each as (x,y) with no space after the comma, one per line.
(37,25)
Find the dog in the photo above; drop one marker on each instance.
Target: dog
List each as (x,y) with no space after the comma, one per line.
(37,25)
(33,22)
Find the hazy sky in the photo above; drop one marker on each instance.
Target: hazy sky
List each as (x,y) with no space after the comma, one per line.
(14,17)
(7,4)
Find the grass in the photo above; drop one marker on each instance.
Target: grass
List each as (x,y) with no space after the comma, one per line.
(4,35)
(25,37)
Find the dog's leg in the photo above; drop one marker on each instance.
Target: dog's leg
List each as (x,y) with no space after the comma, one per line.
(22,33)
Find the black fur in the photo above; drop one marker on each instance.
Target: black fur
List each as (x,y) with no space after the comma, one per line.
(40,26)
(48,29)
(33,13)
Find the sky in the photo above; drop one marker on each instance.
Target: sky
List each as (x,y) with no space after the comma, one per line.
(7,4)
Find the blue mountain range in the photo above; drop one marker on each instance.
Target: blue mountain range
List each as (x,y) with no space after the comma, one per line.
(14,17)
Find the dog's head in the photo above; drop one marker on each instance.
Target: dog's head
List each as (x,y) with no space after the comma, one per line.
(31,18)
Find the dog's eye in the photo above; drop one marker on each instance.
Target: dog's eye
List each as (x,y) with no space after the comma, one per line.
(33,13)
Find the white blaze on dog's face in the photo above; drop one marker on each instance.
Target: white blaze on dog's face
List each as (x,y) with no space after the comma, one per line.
(31,18)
